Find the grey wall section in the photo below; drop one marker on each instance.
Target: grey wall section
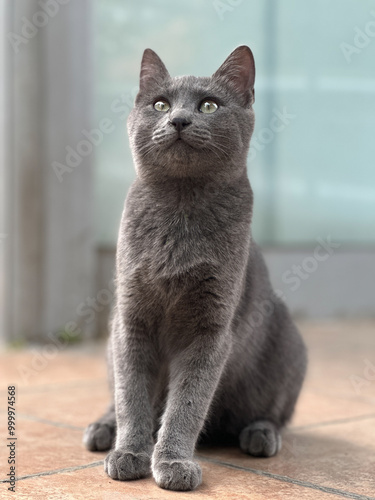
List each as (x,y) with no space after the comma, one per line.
(50,254)
(68,226)
(24,164)
(340,286)
(3,172)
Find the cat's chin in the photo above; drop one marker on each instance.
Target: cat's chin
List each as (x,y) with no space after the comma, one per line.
(181,143)
(181,151)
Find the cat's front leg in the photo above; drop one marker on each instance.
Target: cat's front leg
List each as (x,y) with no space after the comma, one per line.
(134,373)
(194,376)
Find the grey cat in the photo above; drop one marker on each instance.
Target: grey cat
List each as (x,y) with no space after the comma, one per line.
(201,349)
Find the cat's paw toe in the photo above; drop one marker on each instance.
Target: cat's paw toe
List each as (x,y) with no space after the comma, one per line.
(125,466)
(178,475)
(260,439)
(98,436)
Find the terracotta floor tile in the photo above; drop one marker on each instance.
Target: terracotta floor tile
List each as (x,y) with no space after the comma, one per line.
(76,406)
(314,408)
(321,449)
(33,368)
(339,456)
(43,447)
(337,355)
(218,483)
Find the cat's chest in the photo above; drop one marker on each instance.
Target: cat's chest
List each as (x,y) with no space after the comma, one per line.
(171,241)
(178,232)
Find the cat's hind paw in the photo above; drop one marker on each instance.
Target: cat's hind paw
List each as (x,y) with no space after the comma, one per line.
(260,439)
(99,436)
(177,475)
(125,466)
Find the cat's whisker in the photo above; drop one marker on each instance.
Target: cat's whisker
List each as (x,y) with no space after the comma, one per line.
(151,149)
(214,147)
(223,150)
(148,143)
(212,150)
(219,136)
(205,135)
(144,150)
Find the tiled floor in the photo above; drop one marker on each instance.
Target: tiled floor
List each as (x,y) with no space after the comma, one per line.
(328,450)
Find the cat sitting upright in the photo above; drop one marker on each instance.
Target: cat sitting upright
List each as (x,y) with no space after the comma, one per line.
(201,349)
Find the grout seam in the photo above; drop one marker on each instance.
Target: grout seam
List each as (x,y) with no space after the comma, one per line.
(287,479)
(41,420)
(57,471)
(49,422)
(333,422)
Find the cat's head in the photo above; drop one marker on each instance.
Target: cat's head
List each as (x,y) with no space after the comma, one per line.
(193,126)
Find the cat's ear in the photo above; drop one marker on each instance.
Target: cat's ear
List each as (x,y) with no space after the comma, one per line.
(238,70)
(153,71)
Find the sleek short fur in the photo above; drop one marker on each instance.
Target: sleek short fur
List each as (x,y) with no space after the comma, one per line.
(201,348)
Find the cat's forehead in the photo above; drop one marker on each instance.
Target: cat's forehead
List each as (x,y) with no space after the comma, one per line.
(190,87)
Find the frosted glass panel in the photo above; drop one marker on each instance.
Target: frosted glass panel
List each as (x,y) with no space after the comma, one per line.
(311,163)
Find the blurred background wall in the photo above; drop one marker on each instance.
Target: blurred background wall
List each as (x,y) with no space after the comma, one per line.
(69,74)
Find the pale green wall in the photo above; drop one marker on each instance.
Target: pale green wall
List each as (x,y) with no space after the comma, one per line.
(314,178)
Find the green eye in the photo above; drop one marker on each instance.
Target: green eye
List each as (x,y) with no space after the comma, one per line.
(208,107)
(162,106)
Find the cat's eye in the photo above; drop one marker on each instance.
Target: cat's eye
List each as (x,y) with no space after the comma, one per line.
(208,106)
(162,106)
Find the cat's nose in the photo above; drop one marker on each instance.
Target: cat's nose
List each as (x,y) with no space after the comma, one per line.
(180,123)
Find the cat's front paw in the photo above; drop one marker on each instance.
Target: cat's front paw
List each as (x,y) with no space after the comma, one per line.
(177,475)
(124,465)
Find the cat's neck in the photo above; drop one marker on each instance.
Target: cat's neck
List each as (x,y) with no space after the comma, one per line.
(191,186)
(184,193)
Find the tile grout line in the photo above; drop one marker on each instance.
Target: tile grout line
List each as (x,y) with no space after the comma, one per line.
(343,397)
(41,420)
(333,422)
(287,479)
(56,471)
(49,422)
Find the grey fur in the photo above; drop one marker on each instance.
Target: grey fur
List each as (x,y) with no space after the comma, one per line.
(201,348)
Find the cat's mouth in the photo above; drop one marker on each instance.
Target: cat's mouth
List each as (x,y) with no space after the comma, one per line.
(180,141)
